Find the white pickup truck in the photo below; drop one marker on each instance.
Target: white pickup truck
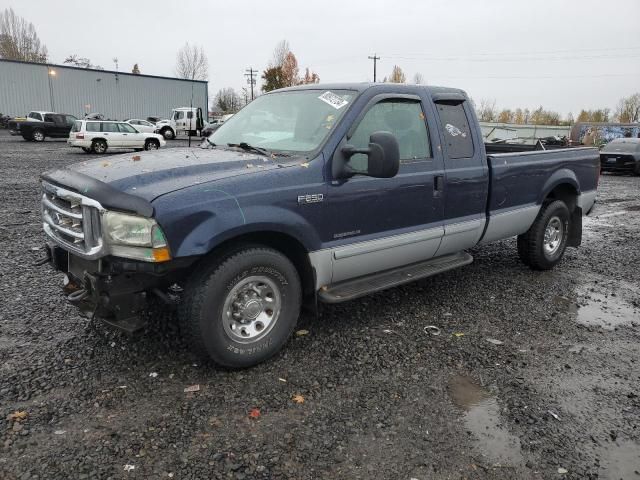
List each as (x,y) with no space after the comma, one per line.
(183,121)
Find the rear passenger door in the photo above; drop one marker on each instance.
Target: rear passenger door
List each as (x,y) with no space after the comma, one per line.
(466,183)
(112,134)
(374,224)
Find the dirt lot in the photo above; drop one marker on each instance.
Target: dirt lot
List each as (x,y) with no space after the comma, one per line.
(534,375)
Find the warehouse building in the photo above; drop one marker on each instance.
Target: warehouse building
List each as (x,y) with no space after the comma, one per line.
(26,86)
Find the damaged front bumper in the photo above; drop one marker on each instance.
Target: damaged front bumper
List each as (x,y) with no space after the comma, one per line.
(117,290)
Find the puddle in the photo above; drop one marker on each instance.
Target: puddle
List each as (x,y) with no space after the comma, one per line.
(598,310)
(620,460)
(482,418)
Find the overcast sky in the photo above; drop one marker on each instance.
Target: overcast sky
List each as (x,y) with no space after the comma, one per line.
(564,55)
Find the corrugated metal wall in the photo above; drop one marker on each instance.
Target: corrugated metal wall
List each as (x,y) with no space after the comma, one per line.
(25,87)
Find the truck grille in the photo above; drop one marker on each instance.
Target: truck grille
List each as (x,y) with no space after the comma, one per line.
(72,220)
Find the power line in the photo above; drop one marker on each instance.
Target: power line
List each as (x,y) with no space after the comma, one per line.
(375,60)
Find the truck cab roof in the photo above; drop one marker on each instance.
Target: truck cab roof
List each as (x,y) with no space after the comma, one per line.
(383,87)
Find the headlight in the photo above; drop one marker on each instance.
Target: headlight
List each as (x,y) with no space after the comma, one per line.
(131,236)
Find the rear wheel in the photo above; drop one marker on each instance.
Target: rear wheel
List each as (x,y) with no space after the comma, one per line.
(543,245)
(99,146)
(152,144)
(241,310)
(37,135)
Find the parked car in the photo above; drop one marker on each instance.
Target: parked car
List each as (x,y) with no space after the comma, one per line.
(621,155)
(210,128)
(53,125)
(141,125)
(34,116)
(360,188)
(100,136)
(155,120)
(4,120)
(183,121)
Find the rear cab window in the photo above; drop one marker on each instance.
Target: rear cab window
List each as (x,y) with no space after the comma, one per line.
(456,129)
(77,125)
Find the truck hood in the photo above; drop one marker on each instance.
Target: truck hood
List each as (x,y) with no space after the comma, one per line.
(151,174)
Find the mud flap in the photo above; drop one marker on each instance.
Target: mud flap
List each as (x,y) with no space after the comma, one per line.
(575,228)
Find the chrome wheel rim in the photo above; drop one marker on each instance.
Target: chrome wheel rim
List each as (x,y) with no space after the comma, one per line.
(38,136)
(152,146)
(553,236)
(99,147)
(251,309)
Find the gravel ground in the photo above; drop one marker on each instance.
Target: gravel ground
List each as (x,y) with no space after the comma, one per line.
(554,394)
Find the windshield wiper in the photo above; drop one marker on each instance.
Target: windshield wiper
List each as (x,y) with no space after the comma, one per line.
(250,148)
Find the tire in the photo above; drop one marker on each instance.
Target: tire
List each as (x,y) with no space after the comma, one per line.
(543,245)
(99,146)
(168,134)
(37,135)
(86,150)
(637,169)
(27,138)
(152,144)
(240,310)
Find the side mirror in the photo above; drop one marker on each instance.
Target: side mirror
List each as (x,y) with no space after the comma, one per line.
(383,153)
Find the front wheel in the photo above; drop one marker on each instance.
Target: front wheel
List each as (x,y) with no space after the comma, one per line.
(168,134)
(241,310)
(38,135)
(543,245)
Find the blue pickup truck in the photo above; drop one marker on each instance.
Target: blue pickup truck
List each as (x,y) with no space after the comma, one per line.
(320,193)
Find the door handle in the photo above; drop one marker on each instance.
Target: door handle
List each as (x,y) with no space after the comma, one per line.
(438,185)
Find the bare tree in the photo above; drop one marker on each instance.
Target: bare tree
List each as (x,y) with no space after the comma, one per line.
(418,79)
(487,111)
(280,54)
(628,109)
(397,75)
(290,70)
(81,62)
(228,100)
(310,77)
(192,63)
(19,40)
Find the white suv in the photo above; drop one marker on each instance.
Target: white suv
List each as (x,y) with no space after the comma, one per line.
(100,135)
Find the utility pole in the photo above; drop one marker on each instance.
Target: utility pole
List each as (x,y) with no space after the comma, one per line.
(375,59)
(251,78)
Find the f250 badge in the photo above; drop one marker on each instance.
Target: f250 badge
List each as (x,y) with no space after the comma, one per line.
(312,198)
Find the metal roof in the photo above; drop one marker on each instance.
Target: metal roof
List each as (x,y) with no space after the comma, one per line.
(116,72)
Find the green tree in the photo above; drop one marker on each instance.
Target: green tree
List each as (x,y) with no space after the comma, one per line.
(19,40)
(272,79)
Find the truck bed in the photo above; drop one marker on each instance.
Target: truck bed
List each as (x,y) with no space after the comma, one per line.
(519,182)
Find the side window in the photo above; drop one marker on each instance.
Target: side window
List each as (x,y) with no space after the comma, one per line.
(93,127)
(404,119)
(49,118)
(110,127)
(179,115)
(456,130)
(134,122)
(126,128)
(189,114)
(70,119)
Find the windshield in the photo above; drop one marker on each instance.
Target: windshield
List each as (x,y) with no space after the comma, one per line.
(294,121)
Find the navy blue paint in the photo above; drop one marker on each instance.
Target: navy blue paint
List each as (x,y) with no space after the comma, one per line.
(519,179)
(204,197)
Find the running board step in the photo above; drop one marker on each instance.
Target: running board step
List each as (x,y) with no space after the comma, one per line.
(358,287)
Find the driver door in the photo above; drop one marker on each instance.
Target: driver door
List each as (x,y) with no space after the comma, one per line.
(375,224)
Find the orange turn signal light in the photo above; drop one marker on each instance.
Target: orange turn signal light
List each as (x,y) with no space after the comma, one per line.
(161,254)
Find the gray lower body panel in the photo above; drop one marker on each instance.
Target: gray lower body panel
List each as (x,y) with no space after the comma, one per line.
(358,287)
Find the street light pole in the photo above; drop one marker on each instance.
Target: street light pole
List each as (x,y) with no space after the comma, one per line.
(51,73)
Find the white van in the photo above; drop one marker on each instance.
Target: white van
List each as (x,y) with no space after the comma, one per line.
(97,136)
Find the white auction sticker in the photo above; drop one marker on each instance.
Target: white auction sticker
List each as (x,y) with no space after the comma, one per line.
(332,99)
